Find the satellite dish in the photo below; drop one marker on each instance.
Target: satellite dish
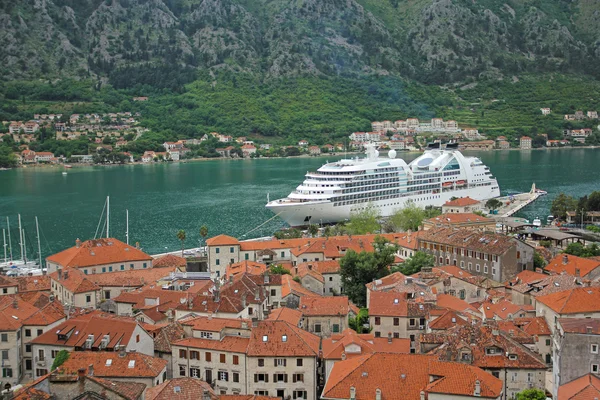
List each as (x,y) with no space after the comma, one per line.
(392,154)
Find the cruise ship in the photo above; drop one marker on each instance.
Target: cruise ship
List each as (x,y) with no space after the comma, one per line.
(335,190)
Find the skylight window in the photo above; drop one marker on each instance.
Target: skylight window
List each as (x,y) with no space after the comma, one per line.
(395,301)
(284,338)
(131,364)
(109,362)
(265,338)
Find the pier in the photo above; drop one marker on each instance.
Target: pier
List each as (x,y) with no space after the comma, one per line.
(514,203)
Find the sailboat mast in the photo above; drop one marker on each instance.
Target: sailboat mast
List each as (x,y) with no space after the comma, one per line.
(24,248)
(21,237)
(9,242)
(107,216)
(4,237)
(127,221)
(37,228)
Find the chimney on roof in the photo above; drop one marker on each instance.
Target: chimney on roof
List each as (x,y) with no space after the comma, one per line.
(205,394)
(244,301)
(122,352)
(266,278)
(231,278)
(343,356)
(81,373)
(137,245)
(66,275)
(295,270)
(389,337)
(59,274)
(477,391)
(352,393)
(15,303)
(91,370)
(422,395)
(216,295)
(244,325)
(310,267)
(577,272)
(377,394)
(565,259)
(78,243)
(495,332)
(256,294)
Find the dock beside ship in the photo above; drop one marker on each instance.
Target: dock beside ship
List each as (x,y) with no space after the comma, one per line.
(514,203)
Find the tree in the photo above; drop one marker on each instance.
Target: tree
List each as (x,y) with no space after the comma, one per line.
(414,264)
(313,230)
(358,269)
(538,260)
(358,323)
(181,237)
(203,232)
(561,204)
(531,394)
(60,359)
(579,250)
(410,217)
(364,221)
(279,270)
(493,204)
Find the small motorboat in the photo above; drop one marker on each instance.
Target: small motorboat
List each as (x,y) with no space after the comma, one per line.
(64,173)
(537,222)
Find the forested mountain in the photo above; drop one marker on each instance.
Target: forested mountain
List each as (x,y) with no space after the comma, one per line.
(164,42)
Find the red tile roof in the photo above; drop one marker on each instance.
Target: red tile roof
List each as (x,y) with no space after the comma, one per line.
(286,314)
(585,388)
(98,252)
(165,336)
(461,202)
(74,332)
(210,324)
(326,306)
(6,281)
(47,315)
(110,364)
(33,283)
(454,303)
(505,309)
(222,240)
(447,320)
(246,266)
(533,326)
(188,389)
(572,265)
(335,346)
(388,304)
(404,376)
(459,218)
(579,300)
(14,311)
(169,260)
(580,325)
(290,286)
(280,338)
(74,280)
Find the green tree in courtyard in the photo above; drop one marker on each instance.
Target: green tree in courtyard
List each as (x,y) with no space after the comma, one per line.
(358,269)
(181,237)
(60,359)
(357,323)
(493,204)
(538,260)
(313,230)
(414,264)
(279,270)
(531,394)
(579,250)
(364,221)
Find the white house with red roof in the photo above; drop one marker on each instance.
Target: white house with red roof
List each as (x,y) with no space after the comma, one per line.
(462,205)
(248,150)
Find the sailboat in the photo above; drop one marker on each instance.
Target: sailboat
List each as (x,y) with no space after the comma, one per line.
(22,266)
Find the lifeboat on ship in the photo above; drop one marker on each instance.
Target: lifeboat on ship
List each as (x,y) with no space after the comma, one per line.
(447,184)
(461,183)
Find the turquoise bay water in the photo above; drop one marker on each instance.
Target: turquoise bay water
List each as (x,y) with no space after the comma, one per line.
(226,195)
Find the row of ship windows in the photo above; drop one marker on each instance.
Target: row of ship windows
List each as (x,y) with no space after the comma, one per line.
(368,200)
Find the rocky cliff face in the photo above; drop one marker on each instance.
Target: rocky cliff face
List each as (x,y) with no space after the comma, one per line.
(443,41)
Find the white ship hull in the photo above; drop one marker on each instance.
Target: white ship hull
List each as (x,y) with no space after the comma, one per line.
(323,212)
(335,190)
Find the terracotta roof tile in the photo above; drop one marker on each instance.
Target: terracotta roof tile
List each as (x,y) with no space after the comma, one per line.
(389,304)
(289,286)
(6,281)
(110,364)
(47,315)
(98,252)
(325,306)
(286,314)
(456,304)
(411,374)
(210,324)
(74,280)
(334,346)
(505,309)
(33,283)
(572,265)
(14,312)
(461,202)
(580,325)
(188,389)
(459,218)
(246,266)
(490,243)
(585,388)
(447,320)
(222,240)
(280,338)
(166,335)
(169,260)
(578,300)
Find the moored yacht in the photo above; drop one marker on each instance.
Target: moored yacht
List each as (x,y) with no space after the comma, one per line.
(336,189)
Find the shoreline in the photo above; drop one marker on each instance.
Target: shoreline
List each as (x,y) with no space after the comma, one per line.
(205,159)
